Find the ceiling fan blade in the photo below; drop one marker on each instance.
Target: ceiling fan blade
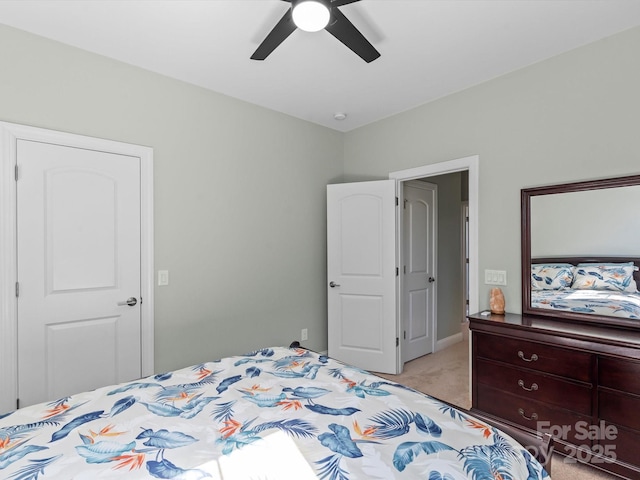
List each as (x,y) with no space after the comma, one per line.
(341,28)
(339,3)
(280,32)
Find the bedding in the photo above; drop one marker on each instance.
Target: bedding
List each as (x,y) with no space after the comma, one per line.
(273,413)
(551,277)
(607,289)
(597,302)
(616,277)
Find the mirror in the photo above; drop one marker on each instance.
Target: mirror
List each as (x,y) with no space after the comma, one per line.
(593,222)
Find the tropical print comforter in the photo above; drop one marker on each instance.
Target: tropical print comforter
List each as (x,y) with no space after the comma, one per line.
(344,423)
(597,302)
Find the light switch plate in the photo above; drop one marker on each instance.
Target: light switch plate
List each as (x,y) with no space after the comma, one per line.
(163,277)
(495,277)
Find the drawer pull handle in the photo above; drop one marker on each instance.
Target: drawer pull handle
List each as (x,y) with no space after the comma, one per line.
(533,358)
(534,416)
(534,386)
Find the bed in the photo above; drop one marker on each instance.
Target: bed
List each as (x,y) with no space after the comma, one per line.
(275,413)
(605,286)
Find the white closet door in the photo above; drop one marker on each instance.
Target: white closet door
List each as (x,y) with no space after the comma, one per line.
(78,239)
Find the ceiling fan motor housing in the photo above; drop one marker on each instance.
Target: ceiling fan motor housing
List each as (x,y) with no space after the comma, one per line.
(311,15)
(334,22)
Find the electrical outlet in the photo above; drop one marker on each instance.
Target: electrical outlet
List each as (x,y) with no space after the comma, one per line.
(304,335)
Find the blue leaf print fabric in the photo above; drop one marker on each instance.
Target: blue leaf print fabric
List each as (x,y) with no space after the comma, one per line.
(598,302)
(607,289)
(345,422)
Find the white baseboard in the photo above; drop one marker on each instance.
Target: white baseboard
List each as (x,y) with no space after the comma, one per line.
(447,342)
(440,344)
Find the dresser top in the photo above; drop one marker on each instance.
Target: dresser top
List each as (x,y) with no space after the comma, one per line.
(529,325)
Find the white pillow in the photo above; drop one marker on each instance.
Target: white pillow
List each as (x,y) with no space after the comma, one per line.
(546,276)
(617,277)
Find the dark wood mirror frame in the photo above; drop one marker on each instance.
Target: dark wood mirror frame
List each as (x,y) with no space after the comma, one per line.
(526,195)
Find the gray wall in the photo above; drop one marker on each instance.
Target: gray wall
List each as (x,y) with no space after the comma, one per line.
(572,117)
(240,190)
(449,276)
(239,194)
(450,284)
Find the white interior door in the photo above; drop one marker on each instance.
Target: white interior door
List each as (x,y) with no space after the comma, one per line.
(78,261)
(419,263)
(361,257)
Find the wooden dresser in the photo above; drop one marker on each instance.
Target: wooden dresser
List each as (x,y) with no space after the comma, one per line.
(581,383)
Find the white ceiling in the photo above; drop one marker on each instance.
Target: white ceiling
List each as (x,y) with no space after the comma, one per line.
(429,48)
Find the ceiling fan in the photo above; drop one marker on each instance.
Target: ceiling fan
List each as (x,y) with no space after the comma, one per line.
(320,14)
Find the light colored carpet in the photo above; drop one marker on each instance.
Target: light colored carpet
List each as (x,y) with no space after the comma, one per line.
(445,375)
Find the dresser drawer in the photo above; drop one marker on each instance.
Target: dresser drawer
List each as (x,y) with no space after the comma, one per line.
(619,408)
(536,356)
(624,447)
(533,414)
(535,386)
(623,375)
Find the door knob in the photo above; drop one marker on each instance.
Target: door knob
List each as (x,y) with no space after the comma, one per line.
(131,301)
(333,284)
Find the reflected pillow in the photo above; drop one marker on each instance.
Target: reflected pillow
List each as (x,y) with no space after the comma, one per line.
(551,276)
(617,277)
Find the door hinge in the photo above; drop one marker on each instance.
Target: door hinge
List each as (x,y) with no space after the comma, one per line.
(17,289)
(405,204)
(405,335)
(404,269)
(397,271)
(396,201)
(15,172)
(17,403)
(397,341)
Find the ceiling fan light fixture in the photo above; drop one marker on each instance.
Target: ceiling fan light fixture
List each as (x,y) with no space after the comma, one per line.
(310,15)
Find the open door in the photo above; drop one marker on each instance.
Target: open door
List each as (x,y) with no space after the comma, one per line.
(418,268)
(361,266)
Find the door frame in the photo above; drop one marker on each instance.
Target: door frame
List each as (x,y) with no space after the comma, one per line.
(472,165)
(9,135)
(465,247)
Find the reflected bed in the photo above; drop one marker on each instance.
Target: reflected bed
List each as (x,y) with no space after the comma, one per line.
(620,304)
(605,286)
